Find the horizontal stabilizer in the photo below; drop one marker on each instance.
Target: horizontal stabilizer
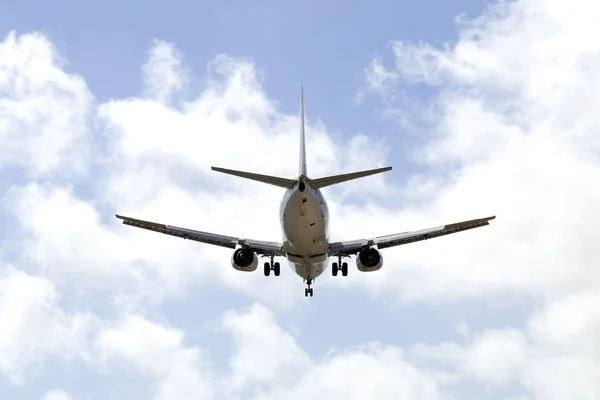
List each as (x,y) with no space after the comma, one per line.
(271,180)
(335,179)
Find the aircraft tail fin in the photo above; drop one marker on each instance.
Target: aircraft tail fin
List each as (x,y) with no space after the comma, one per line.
(274,180)
(270,180)
(302,137)
(335,179)
(290,183)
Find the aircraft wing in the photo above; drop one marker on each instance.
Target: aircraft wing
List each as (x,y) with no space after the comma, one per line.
(382,242)
(260,247)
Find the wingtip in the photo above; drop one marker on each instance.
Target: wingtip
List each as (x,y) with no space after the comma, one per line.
(119,216)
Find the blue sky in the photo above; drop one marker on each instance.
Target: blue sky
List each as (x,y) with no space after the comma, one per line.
(324,46)
(475,117)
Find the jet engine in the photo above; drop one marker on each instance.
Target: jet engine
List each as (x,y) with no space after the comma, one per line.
(369,259)
(244,260)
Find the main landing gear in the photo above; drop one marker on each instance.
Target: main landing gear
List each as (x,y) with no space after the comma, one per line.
(308,291)
(339,266)
(272,266)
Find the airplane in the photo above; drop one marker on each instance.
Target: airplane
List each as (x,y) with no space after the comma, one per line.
(304,219)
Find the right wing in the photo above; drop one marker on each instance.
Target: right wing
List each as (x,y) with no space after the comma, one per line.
(397,239)
(259,246)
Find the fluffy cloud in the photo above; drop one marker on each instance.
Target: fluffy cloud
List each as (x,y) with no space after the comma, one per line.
(163,73)
(266,363)
(513,134)
(514,130)
(154,166)
(56,395)
(43,110)
(157,351)
(552,358)
(269,358)
(34,326)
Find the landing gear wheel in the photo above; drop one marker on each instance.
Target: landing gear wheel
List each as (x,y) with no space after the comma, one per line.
(308,291)
(344,269)
(339,266)
(271,266)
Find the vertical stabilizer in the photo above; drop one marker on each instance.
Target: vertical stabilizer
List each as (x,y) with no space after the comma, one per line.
(302,139)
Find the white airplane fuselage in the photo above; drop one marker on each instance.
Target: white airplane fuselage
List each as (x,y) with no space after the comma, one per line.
(304,220)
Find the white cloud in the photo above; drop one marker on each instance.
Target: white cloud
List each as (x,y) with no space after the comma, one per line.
(258,337)
(379,372)
(163,73)
(378,80)
(493,356)
(378,77)
(44,111)
(553,358)
(269,360)
(266,363)
(157,167)
(34,326)
(56,395)
(159,352)
(515,135)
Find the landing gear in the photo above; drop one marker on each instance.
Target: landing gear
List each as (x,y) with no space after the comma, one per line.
(272,266)
(308,291)
(339,266)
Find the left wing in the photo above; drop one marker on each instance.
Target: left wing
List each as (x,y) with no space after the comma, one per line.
(382,242)
(259,246)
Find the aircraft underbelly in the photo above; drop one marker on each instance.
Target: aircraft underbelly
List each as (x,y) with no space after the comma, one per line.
(304,226)
(309,270)
(305,229)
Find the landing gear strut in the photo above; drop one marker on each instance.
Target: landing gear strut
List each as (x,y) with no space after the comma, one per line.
(339,266)
(274,266)
(308,291)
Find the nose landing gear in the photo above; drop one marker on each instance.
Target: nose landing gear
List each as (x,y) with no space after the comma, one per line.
(308,291)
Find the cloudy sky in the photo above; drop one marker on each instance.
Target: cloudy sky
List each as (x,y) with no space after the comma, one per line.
(482,109)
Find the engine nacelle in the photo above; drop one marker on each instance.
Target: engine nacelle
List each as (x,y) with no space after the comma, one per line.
(244,260)
(369,260)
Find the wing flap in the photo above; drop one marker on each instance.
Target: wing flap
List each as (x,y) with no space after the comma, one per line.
(397,239)
(425,234)
(261,247)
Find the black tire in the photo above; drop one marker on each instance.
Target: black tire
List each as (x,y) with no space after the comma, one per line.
(267,269)
(306,292)
(344,269)
(276,269)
